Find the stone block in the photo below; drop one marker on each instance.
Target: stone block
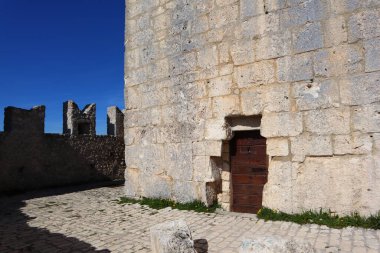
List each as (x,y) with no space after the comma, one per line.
(216,129)
(243,52)
(344,6)
(274,5)
(199,148)
(277,147)
(207,58)
(275,244)
(372,54)
(225,106)
(226,176)
(178,157)
(153,186)
(302,12)
(296,68)
(356,144)
(276,98)
(364,25)
(360,89)
(316,95)
(171,237)
(201,170)
(339,184)
(310,145)
(220,86)
(274,45)
(184,191)
(255,27)
(252,102)
(213,148)
(308,37)
(223,16)
(366,119)
(255,74)
(278,190)
(339,61)
(281,124)
(328,121)
(251,8)
(335,31)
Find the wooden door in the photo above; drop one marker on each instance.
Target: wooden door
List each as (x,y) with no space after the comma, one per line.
(249,169)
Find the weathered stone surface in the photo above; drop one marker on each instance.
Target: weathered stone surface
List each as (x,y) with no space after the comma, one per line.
(336,183)
(364,25)
(328,121)
(360,89)
(352,144)
(316,95)
(196,71)
(281,124)
(171,237)
(275,244)
(372,54)
(256,74)
(296,68)
(366,118)
(310,145)
(278,193)
(277,147)
(335,31)
(251,8)
(308,37)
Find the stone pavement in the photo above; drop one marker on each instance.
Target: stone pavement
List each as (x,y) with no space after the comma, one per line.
(91,221)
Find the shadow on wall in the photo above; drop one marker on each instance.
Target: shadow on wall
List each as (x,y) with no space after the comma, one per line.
(31,159)
(18,237)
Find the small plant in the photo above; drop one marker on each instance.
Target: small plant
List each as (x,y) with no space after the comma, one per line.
(322,218)
(157,204)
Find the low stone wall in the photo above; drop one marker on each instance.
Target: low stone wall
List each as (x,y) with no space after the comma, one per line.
(45,160)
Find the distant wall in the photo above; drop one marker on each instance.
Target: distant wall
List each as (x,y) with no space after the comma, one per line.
(32,162)
(30,159)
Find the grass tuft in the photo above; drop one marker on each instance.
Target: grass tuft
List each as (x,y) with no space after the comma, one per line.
(157,204)
(322,218)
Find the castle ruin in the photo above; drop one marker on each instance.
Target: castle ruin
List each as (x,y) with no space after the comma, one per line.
(31,159)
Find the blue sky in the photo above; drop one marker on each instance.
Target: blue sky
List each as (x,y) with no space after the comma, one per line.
(52,51)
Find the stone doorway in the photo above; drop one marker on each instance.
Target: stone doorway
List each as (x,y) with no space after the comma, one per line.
(249,170)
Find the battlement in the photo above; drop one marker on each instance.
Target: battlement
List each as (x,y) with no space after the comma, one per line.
(24,121)
(32,159)
(75,121)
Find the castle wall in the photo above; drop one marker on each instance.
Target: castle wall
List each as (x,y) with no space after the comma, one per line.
(31,162)
(30,159)
(310,68)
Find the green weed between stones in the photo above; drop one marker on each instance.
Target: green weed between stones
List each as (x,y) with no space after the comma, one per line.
(196,206)
(322,218)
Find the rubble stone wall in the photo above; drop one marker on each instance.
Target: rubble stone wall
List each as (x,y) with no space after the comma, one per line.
(310,68)
(38,161)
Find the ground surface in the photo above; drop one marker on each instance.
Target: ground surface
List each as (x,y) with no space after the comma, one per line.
(91,221)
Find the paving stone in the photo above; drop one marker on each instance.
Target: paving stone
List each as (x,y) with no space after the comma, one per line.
(92,221)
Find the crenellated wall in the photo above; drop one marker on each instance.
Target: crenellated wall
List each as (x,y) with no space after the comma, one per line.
(309,68)
(31,159)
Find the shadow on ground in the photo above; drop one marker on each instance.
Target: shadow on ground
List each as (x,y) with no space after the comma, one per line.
(201,245)
(16,236)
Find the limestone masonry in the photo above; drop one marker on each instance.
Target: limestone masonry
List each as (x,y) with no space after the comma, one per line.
(306,73)
(31,159)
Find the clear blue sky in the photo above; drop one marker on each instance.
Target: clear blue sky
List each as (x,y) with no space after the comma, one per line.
(52,51)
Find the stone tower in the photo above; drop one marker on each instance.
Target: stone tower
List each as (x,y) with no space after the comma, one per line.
(254,102)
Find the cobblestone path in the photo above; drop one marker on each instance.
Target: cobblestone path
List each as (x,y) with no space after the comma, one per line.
(91,221)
